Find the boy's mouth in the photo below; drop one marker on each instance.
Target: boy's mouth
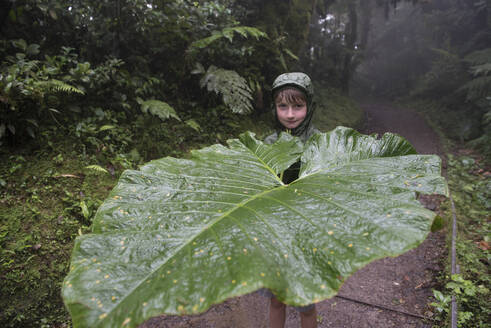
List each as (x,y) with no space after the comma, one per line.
(291,123)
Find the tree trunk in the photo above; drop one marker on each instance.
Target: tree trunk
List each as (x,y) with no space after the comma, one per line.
(351,36)
(5,7)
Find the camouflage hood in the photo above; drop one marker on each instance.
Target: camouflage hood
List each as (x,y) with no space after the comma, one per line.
(302,82)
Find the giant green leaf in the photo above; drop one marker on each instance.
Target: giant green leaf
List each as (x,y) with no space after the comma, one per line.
(180,235)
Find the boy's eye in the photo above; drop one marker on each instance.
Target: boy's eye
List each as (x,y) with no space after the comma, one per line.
(284,106)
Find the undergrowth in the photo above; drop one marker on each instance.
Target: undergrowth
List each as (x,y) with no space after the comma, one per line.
(334,109)
(469,179)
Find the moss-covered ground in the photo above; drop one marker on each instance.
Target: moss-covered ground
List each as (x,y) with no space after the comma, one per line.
(334,109)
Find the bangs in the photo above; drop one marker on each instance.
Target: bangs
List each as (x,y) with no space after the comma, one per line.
(290,95)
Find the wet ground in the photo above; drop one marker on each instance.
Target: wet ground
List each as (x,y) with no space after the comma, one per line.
(392,292)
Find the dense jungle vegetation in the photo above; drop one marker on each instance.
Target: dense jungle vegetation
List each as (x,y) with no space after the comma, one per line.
(91,88)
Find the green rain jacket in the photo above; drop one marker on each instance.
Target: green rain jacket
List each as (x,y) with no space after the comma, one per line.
(305,130)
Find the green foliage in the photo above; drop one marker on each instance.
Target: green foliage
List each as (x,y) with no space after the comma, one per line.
(28,88)
(41,210)
(235,91)
(114,65)
(96,168)
(458,124)
(28,49)
(446,75)
(464,123)
(285,55)
(442,304)
(54,85)
(483,143)
(335,109)
(228,33)
(464,291)
(101,131)
(226,214)
(479,86)
(193,125)
(479,57)
(158,108)
(464,288)
(483,69)
(470,185)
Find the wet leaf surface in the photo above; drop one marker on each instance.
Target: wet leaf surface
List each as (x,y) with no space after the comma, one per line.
(181,235)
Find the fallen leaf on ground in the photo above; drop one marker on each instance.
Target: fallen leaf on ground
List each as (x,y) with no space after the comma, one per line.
(483,245)
(68,176)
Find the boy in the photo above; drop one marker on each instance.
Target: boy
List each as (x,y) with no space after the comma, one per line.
(293,109)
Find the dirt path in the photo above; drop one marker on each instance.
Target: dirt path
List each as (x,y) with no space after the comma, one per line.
(391,292)
(381,118)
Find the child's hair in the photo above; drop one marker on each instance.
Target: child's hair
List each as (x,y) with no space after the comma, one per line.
(290,95)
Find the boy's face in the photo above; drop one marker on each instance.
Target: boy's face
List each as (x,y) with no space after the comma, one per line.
(291,115)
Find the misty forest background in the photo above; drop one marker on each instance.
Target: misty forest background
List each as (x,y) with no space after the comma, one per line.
(89,88)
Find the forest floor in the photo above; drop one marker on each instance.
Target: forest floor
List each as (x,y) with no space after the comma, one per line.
(391,292)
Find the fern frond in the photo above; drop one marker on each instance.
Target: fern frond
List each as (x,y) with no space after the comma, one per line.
(203,43)
(291,54)
(198,69)
(235,91)
(479,57)
(483,69)
(96,168)
(477,88)
(486,119)
(443,53)
(193,125)
(158,108)
(56,86)
(228,33)
(245,31)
